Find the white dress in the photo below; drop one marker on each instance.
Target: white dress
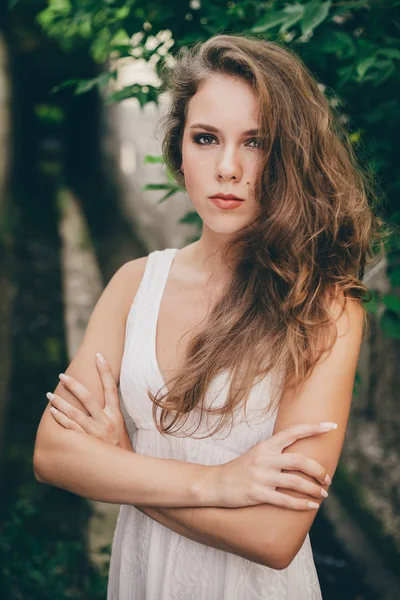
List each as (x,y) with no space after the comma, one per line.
(148,560)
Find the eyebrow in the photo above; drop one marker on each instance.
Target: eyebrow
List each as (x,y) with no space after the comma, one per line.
(216,130)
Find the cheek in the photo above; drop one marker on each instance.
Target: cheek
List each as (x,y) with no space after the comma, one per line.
(197,174)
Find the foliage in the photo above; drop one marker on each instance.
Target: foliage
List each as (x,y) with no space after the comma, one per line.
(385,307)
(352,47)
(32,566)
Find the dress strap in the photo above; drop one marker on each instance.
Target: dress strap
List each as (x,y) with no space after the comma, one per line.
(160,268)
(141,325)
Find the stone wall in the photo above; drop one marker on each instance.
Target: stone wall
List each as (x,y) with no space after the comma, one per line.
(371,454)
(129,134)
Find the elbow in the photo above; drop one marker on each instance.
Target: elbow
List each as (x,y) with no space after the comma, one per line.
(46,460)
(38,478)
(275,561)
(39,467)
(279,556)
(281,561)
(282,548)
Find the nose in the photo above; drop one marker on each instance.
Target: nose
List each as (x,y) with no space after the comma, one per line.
(228,166)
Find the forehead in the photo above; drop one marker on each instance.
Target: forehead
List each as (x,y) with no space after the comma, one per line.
(225,102)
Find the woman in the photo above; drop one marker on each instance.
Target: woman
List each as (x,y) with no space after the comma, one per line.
(271,297)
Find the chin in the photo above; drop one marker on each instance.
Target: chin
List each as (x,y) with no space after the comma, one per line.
(226,225)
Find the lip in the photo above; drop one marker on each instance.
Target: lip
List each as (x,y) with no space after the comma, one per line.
(226,197)
(226,204)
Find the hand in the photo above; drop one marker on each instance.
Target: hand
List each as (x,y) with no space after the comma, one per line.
(106,423)
(252,478)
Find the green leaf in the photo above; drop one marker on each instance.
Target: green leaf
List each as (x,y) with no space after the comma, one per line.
(190,218)
(169,194)
(270,20)
(390,325)
(337,42)
(294,13)
(85,85)
(135,91)
(156,186)
(314,13)
(101,45)
(389,52)
(120,37)
(355,137)
(65,84)
(286,18)
(153,159)
(363,66)
(391,302)
(347,6)
(394,277)
(372,305)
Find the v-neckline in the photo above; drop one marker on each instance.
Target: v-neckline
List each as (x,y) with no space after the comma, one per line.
(154,358)
(154,337)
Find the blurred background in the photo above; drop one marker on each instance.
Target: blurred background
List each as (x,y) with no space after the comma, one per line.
(83,189)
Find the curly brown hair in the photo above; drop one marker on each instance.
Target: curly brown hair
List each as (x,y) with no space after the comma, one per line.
(308,247)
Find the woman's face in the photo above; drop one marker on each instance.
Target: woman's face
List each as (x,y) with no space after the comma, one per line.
(220,151)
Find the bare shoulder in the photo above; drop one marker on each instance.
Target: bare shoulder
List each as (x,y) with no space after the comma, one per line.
(124,284)
(348,314)
(133,268)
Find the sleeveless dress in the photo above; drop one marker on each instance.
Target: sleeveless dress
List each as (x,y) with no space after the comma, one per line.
(148,560)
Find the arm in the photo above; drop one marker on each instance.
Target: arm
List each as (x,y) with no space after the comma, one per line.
(90,467)
(268,534)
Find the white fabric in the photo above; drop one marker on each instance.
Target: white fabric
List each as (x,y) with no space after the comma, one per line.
(149,561)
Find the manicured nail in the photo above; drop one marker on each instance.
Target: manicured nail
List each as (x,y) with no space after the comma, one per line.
(324,493)
(313,505)
(328,480)
(328,425)
(100,358)
(53,410)
(50,396)
(63,377)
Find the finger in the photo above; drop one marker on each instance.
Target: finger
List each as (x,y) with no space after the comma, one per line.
(299,484)
(286,501)
(64,420)
(83,394)
(288,436)
(300,462)
(108,381)
(70,411)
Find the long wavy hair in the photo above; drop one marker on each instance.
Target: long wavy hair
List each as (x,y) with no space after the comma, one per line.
(308,247)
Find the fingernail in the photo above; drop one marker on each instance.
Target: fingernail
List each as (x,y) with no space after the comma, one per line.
(313,505)
(328,480)
(63,377)
(324,493)
(100,358)
(52,409)
(328,425)
(50,396)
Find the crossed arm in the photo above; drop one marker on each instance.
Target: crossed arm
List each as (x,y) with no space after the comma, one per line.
(94,469)
(326,395)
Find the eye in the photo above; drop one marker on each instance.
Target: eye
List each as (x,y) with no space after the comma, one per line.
(197,139)
(207,136)
(258,142)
